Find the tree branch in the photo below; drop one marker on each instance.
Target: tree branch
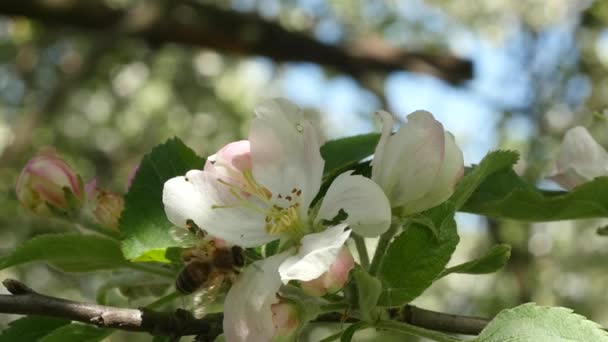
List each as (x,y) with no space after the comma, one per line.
(198,24)
(25,301)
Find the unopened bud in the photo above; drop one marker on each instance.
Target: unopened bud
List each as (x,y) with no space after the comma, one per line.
(108,209)
(48,183)
(286,320)
(332,280)
(417,167)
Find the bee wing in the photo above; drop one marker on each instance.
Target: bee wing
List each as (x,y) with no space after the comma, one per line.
(206,296)
(183,236)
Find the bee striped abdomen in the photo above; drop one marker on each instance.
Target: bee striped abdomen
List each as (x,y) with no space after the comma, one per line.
(192,277)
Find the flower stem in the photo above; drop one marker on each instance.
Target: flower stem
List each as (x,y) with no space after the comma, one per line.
(334,307)
(150,269)
(162,301)
(416,331)
(381,248)
(362,250)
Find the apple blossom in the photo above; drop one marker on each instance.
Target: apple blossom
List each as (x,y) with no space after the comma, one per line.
(48,182)
(419,166)
(251,193)
(580,159)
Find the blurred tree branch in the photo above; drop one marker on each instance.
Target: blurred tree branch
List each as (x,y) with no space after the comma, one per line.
(198,24)
(25,301)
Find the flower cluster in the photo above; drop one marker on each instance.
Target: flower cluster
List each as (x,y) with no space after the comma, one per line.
(263,189)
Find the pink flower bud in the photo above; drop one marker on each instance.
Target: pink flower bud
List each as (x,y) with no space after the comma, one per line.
(47,180)
(108,209)
(332,280)
(286,320)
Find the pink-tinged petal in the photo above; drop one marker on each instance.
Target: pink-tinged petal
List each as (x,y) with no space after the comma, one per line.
(285,152)
(132,176)
(316,253)
(332,280)
(452,170)
(197,197)
(580,159)
(286,319)
(368,209)
(248,305)
(230,163)
(410,159)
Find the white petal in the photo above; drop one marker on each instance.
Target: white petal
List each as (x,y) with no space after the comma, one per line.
(316,254)
(452,169)
(580,159)
(247,308)
(194,197)
(182,201)
(387,127)
(285,151)
(410,159)
(368,209)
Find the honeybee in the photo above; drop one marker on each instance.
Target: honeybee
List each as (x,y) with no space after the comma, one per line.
(210,265)
(207,265)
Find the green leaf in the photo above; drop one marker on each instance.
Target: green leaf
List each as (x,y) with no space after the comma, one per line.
(417,257)
(348,333)
(490,164)
(30,328)
(77,332)
(492,261)
(368,292)
(602,231)
(143,221)
(68,252)
(530,322)
(343,154)
(506,195)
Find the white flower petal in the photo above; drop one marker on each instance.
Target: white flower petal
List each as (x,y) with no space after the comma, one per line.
(194,197)
(285,151)
(378,172)
(182,201)
(316,254)
(410,160)
(368,209)
(452,169)
(247,308)
(580,159)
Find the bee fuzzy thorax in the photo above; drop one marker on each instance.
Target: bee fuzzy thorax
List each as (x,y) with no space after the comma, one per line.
(208,264)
